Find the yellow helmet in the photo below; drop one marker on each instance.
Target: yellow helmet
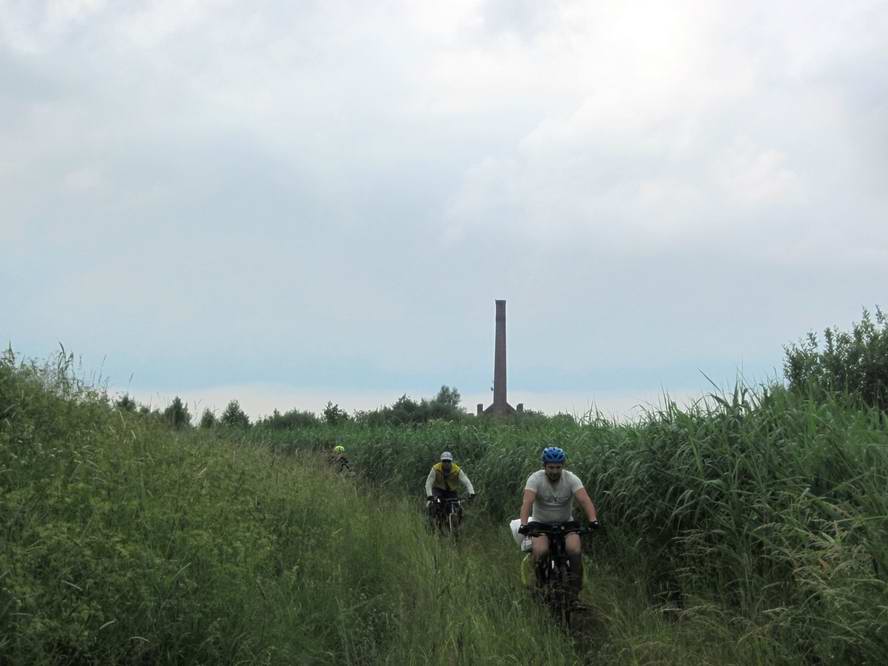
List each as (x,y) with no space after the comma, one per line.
(339,449)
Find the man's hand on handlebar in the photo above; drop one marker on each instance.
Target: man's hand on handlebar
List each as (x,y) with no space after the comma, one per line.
(523,529)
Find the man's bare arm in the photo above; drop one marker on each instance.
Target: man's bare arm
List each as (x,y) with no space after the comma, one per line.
(585,501)
(526,505)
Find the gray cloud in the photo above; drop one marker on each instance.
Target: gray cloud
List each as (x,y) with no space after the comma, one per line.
(210,192)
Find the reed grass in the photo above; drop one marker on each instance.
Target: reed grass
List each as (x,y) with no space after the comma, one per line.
(126,542)
(749,529)
(765,505)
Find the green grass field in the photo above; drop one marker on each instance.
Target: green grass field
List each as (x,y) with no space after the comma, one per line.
(751,531)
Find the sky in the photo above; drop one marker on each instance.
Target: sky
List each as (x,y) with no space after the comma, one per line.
(286,203)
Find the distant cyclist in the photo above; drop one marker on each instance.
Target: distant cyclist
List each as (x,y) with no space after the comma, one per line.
(443,480)
(338,459)
(551,492)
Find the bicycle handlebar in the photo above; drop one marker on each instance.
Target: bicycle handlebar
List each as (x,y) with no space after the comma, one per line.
(554,529)
(461,498)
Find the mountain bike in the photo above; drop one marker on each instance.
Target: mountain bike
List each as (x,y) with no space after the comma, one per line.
(446,514)
(555,582)
(341,465)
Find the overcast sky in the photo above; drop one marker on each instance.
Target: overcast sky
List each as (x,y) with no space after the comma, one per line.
(293,202)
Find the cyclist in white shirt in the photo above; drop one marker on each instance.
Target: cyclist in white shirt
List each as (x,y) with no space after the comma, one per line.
(550,493)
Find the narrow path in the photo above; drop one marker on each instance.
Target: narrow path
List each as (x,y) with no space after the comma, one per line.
(619,623)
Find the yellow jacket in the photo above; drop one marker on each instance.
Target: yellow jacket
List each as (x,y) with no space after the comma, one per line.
(436,479)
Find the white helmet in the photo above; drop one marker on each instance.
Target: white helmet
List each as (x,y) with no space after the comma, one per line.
(447,456)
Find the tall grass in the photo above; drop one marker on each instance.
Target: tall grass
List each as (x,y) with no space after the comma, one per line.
(764,508)
(126,542)
(748,529)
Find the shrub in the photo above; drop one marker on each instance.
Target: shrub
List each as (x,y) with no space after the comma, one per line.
(177,414)
(126,403)
(208,419)
(234,416)
(292,419)
(406,411)
(855,363)
(334,414)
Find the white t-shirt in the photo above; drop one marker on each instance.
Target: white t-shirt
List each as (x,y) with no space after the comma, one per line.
(553,503)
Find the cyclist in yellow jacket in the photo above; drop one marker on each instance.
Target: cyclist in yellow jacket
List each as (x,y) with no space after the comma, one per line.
(443,480)
(338,460)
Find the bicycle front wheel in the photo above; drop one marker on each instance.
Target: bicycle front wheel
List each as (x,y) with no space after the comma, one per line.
(562,597)
(452,523)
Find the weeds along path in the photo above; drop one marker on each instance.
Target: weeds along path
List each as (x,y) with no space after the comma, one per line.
(619,624)
(130,544)
(368,578)
(125,542)
(758,521)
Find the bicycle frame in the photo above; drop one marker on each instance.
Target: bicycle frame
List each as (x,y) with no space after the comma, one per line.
(448,512)
(556,565)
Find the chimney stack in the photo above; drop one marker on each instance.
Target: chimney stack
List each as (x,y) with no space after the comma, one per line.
(499,359)
(500,404)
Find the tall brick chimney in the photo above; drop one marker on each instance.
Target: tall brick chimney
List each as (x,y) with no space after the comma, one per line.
(499,359)
(500,404)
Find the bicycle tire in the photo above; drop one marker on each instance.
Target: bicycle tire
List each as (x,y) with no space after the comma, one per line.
(558,593)
(452,523)
(565,596)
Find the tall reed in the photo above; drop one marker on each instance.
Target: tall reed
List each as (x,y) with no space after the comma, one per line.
(763,503)
(126,542)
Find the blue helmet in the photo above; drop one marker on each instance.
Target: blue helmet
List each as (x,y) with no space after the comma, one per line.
(554,454)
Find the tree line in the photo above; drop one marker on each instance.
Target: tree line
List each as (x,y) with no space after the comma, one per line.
(852,364)
(405,410)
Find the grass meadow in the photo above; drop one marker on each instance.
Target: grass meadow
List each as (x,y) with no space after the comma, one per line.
(759,517)
(752,529)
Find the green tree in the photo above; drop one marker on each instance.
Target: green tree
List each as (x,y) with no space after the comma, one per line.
(448,397)
(334,414)
(289,420)
(177,414)
(208,419)
(125,403)
(406,410)
(234,416)
(855,363)
(445,405)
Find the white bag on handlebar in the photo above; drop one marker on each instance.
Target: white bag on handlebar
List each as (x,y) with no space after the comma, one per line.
(522,541)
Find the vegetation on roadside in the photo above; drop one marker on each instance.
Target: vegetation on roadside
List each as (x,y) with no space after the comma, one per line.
(853,364)
(126,541)
(749,528)
(768,509)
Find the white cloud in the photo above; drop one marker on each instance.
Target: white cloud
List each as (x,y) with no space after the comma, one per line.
(758,176)
(313,182)
(152,23)
(39,26)
(84,179)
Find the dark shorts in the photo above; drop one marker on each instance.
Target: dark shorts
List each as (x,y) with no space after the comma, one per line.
(444,494)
